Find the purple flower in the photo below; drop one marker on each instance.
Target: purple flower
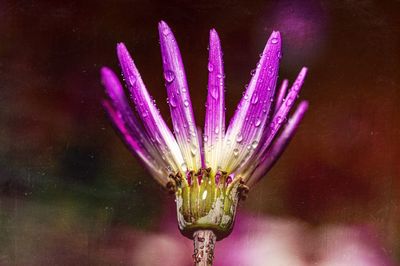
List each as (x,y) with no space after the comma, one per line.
(209,172)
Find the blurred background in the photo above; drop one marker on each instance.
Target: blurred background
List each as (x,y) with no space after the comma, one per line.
(72,194)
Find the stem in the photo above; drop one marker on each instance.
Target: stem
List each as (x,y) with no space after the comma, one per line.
(203,243)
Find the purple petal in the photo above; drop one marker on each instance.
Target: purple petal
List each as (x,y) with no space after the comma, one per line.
(246,127)
(281,95)
(214,128)
(179,99)
(270,157)
(277,121)
(282,112)
(133,144)
(155,126)
(119,103)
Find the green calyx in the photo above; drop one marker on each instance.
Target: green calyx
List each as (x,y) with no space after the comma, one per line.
(206,201)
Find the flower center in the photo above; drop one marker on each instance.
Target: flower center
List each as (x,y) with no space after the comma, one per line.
(206,201)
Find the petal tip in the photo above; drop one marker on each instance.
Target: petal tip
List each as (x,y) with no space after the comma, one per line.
(120,46)
(105,71)
(122,51)
(304,105)
(163,28)
(275,37)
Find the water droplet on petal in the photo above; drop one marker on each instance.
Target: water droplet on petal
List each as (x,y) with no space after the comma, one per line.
(214,92)
(169,76)
(254,99)
(252,72)
(210,67)
(254,144)
(184,90)
(166,31)
(257,123)
(216,130)
(172,101)
(184,167)
(236,152)
(193,150)
(239,138)
(131,80)
(204,196)
(270,72)
(274,40)
(205,138)
(186,103)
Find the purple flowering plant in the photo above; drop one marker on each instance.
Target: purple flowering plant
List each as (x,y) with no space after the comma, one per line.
(208,170)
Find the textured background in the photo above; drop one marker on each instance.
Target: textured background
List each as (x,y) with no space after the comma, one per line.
(70,192)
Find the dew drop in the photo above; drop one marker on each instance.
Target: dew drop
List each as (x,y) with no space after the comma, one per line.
(131,80)
(210,67)
(239,138)
(183,90)
(270,72)
(169,76)
(252,72)
(254,144)
(274,40)
(193,150)
(184,167)
(205,138)
(204,196)
(216,130)
(257,123)
(186,103)
(214,92)
(172,101)
(166,31)
(254,99)
(236,152)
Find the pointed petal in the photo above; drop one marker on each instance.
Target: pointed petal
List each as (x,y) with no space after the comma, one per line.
(281,95)
(214,128)
(120,105)
(134,145)
(270,157)
(246,127)
(179,99)
(282,112)
(155,126)
(276,123)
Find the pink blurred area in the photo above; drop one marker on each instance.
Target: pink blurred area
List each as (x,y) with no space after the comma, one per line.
(256,241)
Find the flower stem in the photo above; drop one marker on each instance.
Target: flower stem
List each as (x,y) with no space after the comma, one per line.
(203,243)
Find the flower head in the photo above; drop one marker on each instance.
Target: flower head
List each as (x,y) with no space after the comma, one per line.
(210,171)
